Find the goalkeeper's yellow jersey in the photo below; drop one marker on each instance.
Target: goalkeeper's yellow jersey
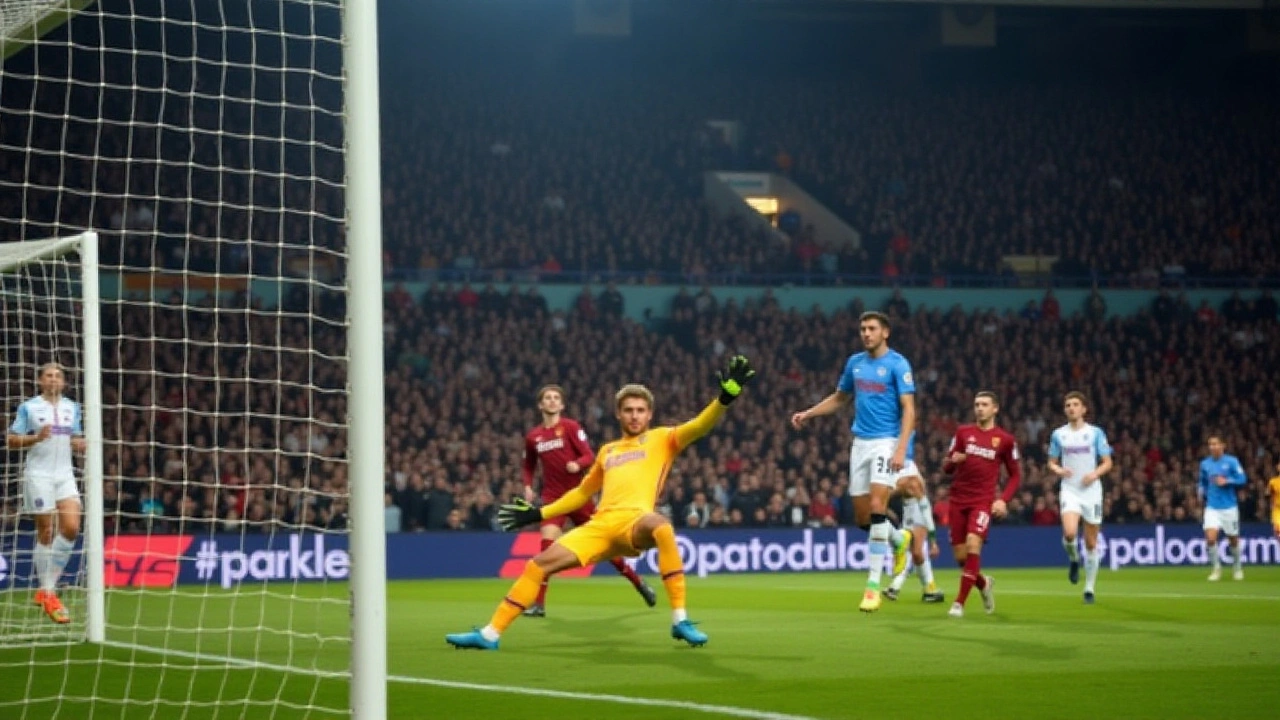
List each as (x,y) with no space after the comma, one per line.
(1275,497)
(629,473)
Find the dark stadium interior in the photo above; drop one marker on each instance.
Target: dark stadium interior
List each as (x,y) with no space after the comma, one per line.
(1143,159)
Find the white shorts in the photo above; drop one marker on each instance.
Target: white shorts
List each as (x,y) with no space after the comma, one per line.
(869,463)
(41,495)
(1086,502)
(1228,521)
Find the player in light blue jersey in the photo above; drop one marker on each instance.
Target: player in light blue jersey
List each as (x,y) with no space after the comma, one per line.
(1220,476)
(49,428)
(1080,454)
(879,382)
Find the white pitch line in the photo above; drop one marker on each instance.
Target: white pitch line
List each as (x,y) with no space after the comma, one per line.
(600,697)
(1151,595)
(726,710)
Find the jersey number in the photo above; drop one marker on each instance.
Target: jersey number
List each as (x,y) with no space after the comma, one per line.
(982,519)
(882,465)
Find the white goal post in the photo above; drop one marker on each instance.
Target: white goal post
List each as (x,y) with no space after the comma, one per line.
(38,285)
(210,173)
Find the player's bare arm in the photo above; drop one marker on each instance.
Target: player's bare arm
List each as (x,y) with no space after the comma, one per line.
(908,405)
(22,442)
(1057,469)
(78,444)
(831,403)
(1103,468)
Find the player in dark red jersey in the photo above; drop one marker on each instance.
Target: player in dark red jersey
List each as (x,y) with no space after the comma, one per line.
(560,444)
(974,459)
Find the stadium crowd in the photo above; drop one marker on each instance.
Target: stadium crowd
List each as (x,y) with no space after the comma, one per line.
(459,402)
(493,175)
(590,175)
(1154,379)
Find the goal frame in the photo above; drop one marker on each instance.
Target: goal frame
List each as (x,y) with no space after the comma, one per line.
(366,414)
(367,669)
(92,557)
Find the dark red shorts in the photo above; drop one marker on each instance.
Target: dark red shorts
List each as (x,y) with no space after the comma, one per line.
(579,516)
(971,520)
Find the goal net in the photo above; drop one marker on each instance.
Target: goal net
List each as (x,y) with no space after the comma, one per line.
(41,321)
(204,143)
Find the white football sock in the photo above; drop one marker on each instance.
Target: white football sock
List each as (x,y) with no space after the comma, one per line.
(1073,552)
(1090,569)
(926,571)
(42,558)
(879,548)
(61,555)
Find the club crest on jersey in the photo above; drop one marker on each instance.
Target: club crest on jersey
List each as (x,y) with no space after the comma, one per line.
(559,431)
(881,371)
(995,442)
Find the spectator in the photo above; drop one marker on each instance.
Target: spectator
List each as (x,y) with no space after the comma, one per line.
(391,514)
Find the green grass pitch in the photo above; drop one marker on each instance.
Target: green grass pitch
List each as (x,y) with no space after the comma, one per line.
(1159,644)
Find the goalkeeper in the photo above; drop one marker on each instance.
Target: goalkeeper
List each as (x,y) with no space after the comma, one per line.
(630,472)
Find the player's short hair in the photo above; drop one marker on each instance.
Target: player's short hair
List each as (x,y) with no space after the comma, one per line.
(877,316)
(633,390)
(548,388)
(51,365)
(995,399)
(1215,436)
(1076,395)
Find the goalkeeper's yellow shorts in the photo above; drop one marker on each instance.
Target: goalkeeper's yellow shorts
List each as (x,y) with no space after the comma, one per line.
(605,536)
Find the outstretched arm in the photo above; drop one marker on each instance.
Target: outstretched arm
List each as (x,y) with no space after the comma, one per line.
(825,406)
(731,380)
(578,496)
(688,433)
(519,512)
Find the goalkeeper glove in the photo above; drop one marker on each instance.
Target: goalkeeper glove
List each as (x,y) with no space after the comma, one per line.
(733,378)
(517,514)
